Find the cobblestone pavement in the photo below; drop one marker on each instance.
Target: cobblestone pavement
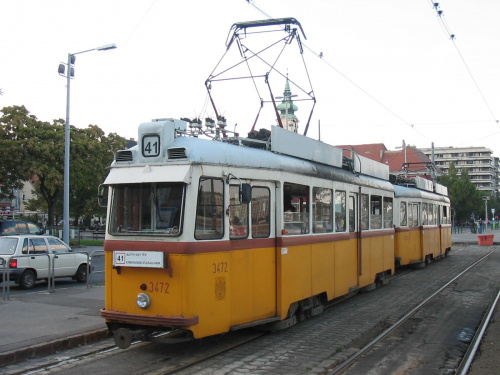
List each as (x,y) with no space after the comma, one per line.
(322,342)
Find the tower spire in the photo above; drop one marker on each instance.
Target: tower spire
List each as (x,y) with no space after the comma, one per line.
(287,109)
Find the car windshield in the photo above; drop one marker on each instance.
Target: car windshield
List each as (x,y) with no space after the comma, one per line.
(8,245)
(145,209)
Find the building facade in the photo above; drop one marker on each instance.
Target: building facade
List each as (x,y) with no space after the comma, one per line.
(482,166)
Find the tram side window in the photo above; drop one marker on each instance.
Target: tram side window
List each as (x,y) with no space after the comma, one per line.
(352,215)
(322,210)
(376,212)
(445,215)
(365,217)
(413,214)
(430,214)
(340,211)
(424,214)
(261,213)
(238,214)
(210,209)
(402,214)
(296,208)
(388,214)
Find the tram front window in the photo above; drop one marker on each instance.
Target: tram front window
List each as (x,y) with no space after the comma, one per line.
(143,209)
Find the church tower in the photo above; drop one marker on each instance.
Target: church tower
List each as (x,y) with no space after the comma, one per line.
(287,110)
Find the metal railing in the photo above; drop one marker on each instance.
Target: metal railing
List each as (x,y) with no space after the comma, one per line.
(51,257)
(89,264)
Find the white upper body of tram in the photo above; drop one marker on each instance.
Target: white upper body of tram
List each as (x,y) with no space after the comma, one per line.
(158,185)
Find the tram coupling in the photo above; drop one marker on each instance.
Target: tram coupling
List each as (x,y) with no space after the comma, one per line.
(124,336)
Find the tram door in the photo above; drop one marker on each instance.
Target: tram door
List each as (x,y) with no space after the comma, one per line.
(253,255)
(354,227)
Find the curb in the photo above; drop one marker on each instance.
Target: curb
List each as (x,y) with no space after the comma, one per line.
(23,354)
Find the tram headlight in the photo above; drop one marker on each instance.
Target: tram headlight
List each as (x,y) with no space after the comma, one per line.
(143,300)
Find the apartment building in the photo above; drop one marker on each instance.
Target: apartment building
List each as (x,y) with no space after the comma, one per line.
(482,166)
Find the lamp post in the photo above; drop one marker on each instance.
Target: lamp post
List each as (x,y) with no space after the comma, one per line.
(69,74)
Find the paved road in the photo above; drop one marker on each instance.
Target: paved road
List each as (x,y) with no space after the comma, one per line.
(97,276)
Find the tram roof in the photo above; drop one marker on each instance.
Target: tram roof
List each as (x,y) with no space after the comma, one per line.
(197,151)
(411,192)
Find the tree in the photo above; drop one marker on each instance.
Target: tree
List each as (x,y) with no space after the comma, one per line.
(92,154)
(464,197)
(40,147)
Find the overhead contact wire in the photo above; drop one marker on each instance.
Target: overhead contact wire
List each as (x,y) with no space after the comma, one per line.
(349,80)
(444,25)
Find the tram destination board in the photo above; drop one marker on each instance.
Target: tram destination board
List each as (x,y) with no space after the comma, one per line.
(146,259)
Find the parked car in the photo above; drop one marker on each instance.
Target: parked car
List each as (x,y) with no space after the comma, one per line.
(27,258)
(9,227)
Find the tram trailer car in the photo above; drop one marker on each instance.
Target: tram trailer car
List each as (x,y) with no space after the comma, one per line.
(423,223)
(208,236)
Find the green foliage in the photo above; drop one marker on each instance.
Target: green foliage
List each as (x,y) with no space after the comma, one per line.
(464,197)
(32,149)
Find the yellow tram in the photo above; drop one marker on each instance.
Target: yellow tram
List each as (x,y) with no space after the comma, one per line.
(204,236)
(423,231)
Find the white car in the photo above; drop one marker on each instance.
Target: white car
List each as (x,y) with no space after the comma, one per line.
(27,259)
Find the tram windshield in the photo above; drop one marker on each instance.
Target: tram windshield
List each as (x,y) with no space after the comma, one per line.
(145,209)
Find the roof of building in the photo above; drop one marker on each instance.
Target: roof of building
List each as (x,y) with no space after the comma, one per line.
(415,158)
(374,151)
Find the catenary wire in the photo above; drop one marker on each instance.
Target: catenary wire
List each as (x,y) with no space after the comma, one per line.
(320,55)
(451,36)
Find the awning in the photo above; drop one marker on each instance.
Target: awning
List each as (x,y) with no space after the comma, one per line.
(149,173)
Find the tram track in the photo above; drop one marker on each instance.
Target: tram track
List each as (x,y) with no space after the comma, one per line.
(181,357)
(346,365)
(466,363)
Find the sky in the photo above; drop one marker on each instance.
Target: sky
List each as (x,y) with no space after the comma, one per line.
(389,71)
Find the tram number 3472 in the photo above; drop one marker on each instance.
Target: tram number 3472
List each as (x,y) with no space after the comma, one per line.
(220,267)
(158,287)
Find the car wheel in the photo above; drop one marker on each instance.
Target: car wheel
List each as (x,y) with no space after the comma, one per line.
(27,280)
(81,274)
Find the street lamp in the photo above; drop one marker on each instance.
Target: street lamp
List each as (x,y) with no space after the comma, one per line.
(70,73)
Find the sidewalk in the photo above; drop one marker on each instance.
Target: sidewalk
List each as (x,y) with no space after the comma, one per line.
(41,323)
(466,237)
